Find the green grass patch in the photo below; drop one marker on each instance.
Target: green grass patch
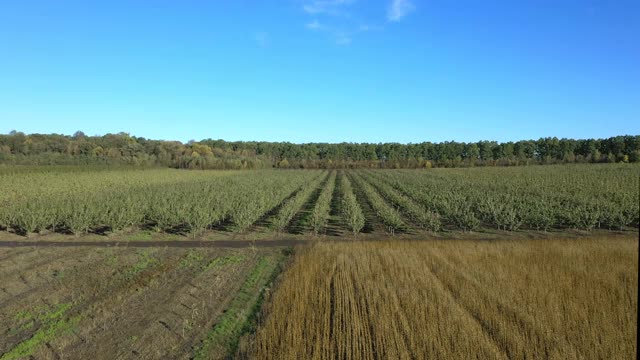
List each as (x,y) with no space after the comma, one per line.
(223,260)
(237,319)
(52,323)
(23,315)
(192,259)
(145,260)
(140,236)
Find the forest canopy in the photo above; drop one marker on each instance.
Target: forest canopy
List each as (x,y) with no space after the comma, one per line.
(17,148)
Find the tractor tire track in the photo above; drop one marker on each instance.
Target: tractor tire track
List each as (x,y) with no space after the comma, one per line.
(529,333)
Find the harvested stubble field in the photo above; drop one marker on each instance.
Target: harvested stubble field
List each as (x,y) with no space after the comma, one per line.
(121,303)
(556,299)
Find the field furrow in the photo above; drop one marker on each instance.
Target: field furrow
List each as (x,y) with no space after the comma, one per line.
(389,216)
(558,322)
(19,281)
(154,302)
(319,215)
(294,204)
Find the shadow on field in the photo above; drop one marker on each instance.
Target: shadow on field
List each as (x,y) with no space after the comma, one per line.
(370,216)
(225,225)
(264,221)
(334,225)
(298,225)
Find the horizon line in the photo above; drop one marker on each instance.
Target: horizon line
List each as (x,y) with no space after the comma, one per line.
(317,142)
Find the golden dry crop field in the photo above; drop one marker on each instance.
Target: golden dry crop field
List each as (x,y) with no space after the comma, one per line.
(533,299)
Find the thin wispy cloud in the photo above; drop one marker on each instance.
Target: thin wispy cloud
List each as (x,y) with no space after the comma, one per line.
(343,39)
(399,9)
(314,25)
(262,39)
(366,28)
(337,18)
(327,7)
(340,36)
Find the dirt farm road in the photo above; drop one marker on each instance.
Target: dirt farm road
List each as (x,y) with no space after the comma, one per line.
(148,244)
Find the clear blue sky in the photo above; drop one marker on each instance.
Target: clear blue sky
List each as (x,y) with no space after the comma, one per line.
(332,70)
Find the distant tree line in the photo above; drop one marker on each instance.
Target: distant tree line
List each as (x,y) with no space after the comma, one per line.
(124,149)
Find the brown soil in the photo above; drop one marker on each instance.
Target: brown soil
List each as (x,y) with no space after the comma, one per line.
(188,244)
(214,239)
(155,303)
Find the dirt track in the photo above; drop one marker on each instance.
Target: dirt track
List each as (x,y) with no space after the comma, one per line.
(147,244)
